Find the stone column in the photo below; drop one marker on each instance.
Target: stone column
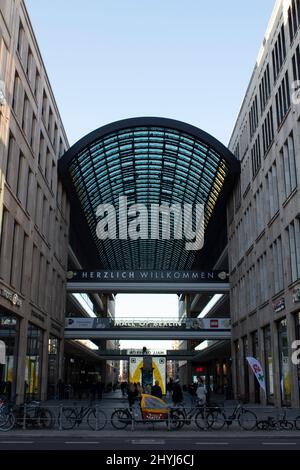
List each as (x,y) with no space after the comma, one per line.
(21,361)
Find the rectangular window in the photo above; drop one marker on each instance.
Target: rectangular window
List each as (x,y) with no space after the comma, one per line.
(293,232)
(265,89)
(268,131)
(256,156)
(21,40)
(283,99)
(45,107)
(253,117)
(36,83)
(278,280)
(269,364)
(284,363)
(296,64)
(288,159)
(16,93)
(293,18)
(279,53)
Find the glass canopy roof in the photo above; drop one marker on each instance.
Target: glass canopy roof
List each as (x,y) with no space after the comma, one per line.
(150,161)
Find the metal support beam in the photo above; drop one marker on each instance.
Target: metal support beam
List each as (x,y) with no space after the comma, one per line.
(138,287)
(148,334)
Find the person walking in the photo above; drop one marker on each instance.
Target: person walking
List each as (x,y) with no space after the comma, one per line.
(156,390)
(177,395)
(201,392)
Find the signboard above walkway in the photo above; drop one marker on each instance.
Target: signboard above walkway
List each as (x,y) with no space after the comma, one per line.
(189,328)
(147,281)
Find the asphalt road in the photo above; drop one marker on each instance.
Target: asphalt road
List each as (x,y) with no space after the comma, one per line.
(134,443)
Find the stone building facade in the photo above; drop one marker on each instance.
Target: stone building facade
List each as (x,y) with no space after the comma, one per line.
(264,217)
(34,212)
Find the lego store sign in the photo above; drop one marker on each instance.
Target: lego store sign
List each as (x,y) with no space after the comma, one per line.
(296,295)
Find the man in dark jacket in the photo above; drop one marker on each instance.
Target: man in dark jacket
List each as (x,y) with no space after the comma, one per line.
(177,395)
(156,390)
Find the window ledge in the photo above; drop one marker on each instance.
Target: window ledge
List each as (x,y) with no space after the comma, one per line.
(290,196)
(274,217)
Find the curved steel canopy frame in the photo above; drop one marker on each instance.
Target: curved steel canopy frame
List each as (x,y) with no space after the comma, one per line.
(149,160)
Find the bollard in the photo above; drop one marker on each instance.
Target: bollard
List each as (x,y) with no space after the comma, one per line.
(60,416)
(24,416)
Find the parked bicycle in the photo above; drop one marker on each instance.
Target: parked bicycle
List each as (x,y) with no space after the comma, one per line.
(203,415)
(272,423)
(246,419)
(69,418)
(7,418)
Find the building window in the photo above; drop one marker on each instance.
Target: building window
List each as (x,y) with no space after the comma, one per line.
(9,332)
(36,83)
(268,131)
(33,362)
(262,268)
(276,249)
(296,64)
(288,159)
(294,18)
(272,192)
(16,92)
(283,99)
(253,117)
(21,40)
(256,156)
(45,107)
(279,53)
(265,89)
(293,232)
(269,364)
(284,363)
(53,366)
(255,353)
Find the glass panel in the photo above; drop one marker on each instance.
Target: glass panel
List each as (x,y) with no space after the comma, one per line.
(33,362)
(9,329)
(269,364)
(284,363)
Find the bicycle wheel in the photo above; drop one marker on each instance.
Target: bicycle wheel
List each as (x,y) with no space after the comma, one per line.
(8,423)
(68,418)
(201,420)
(177,419)
(216,420)
(96,419)
(286,425)
(120,419)
(45,418)
(262,425)
(297,423)
(247,420)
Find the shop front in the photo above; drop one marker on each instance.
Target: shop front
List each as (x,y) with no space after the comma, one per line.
(9,333)
(33,366)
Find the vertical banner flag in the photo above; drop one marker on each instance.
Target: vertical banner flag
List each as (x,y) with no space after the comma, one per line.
(257,371)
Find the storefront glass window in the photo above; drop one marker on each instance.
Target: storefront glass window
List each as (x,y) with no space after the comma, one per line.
(246,368)
(33,362)
(284,363)
(9,327)
(269,364)
(255,353)
(53,355)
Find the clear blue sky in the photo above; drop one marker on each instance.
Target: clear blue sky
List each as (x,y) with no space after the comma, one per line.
(185,59)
